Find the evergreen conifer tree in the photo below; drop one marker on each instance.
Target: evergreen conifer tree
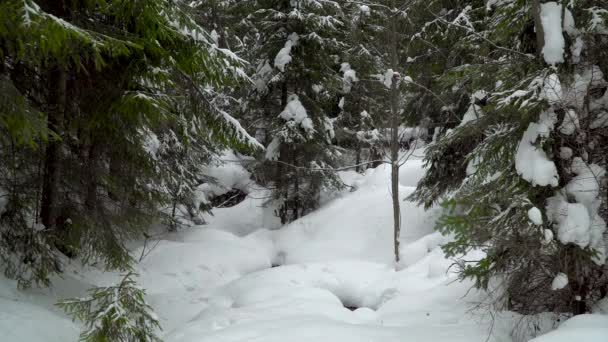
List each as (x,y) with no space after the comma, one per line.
(520,175)
(296,84)
(105,118)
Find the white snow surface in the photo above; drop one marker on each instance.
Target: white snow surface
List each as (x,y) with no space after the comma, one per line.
(552,89)
(284,56)
(579,222)
(365,9)
(348,78)
(387,78)
(531,162)
(572,220)
(585,187)
(295,111)
(588,328)
(473,113)
(216,283)
(25,317)
(227,174)
(273,149)
(548,236)
(551,19)
(559,282)
(535,216)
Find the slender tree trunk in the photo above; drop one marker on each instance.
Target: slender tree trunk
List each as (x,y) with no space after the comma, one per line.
(91,162)
(281,181)
(394,144)
(358,160)
(394,147)
(538,27)
(115,173)
(296,189)
(49,208)
(173,226)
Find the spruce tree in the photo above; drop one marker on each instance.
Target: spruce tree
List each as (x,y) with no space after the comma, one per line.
(106,119)
(521,176)
(296,82)
(362,117)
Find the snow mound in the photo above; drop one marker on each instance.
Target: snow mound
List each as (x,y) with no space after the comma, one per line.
(23,321)
(313,302)
(588,328)
(335,279)
(358,225)
(177,273)
(327,277)
(30,316)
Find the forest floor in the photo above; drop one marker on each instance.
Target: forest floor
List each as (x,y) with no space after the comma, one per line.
(327,277)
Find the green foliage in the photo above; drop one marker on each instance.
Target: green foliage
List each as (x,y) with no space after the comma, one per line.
(108,112)
(488,62)
(302,166)
(115,313)
(22,123)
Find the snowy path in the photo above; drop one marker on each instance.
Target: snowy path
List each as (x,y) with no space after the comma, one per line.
(305,302)
(218,284)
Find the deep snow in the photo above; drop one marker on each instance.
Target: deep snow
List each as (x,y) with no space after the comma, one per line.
(333,279)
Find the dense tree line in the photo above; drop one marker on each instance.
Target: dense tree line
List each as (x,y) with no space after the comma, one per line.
(503,109)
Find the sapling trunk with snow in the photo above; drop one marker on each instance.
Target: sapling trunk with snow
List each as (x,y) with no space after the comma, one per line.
(394,128)
(394,147)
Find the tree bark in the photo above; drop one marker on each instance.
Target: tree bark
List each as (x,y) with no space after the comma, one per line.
(296,188)
(358,168)
(49,208)
(91,187)
(394,147)
(281,181)
(538,27)
(394,143)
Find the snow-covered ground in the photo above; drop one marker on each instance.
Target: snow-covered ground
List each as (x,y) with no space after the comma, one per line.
(328,277)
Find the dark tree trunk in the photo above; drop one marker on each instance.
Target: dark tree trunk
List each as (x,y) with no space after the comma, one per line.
(358,168)
(538,27)
(296,189)
(49,208)
(91,172)
(394,145)
(114,172)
